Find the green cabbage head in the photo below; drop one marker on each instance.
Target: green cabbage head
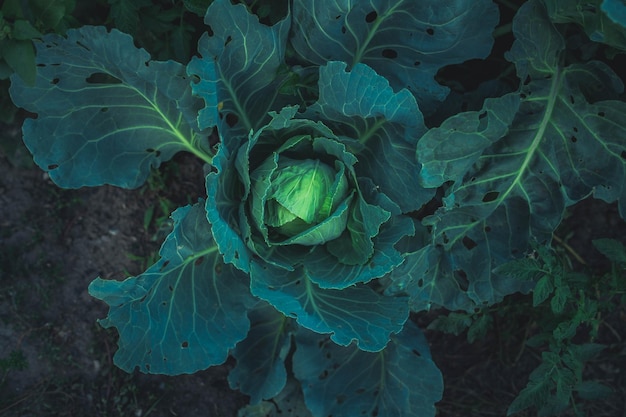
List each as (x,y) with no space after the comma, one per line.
(300,200)
(312,204)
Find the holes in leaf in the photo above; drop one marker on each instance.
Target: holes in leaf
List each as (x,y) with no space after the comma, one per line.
(574,139)
(575,129)
(420,282)
(571,99)
(209,31)
(343,29)
(416,353)
(338,17)
(104,109)
(389,53)
(148,367)
(199,261)
(236,255)
(444,237)
(461,279)
(170,288)
(184,345)
(417,63)
(228,40)
(55,81)
(487,229)
(469,243)
(82,45)
(231,119)
(371,16)
(165,264)
(102,78)
(601,114)
(52,166)
(490,196)
(430,31)
(323,375)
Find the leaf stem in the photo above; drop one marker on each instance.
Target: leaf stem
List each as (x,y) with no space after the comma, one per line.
(569,249)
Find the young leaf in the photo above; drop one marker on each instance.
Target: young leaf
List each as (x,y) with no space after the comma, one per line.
(454,323)
(20,56)
(401,380)
(260,371)
(592,390)
(542,290)
(561,295)
(113,113)
(407,42)
(186,311)
(613,249)
(384,127)
(479,327)
(238,70)
(356,313)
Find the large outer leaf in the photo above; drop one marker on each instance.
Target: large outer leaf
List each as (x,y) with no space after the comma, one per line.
(106,114)
(384,126)
(238,70)
(356,313)
(400,381)
(406,41)
(515,167)
(186,311)
(260,371)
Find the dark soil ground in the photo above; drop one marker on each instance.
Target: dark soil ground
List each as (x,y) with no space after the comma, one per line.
(55,360)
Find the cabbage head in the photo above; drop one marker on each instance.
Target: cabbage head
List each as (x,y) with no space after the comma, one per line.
(313,204)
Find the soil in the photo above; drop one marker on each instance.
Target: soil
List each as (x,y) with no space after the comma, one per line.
(55,360)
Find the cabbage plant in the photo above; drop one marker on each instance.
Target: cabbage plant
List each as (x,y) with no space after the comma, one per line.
(336,204)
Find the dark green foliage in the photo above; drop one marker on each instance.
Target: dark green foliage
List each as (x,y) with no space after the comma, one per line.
(568,307)
(334,207)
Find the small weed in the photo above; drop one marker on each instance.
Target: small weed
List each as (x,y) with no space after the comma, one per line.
(563,317)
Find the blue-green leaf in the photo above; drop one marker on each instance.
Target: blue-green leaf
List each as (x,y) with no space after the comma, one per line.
(260,371)
(524,162)
(405,41)
(356,313)
(238,70)
(186,311)
(400,381)
(382,126)
(224,210)
(106,114)
(323,269)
